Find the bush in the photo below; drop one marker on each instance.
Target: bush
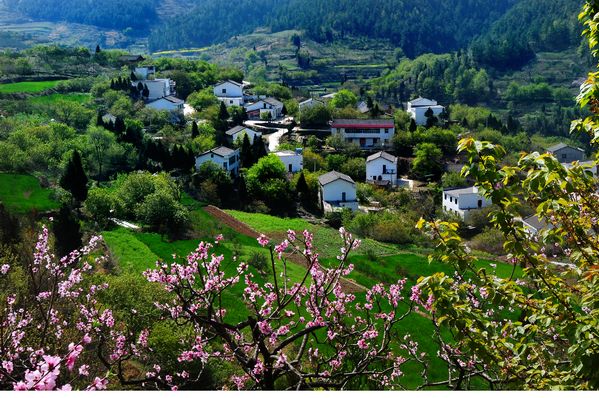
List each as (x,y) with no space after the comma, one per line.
(490,241)
(259,262)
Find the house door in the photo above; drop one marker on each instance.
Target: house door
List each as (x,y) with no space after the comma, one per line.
(384,169)
(362,141)
(343,196)
(290,168)
(480,203)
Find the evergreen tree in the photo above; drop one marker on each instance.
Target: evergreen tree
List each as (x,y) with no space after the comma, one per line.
(133,77)
(100,119)
(242,192)
(146,91)
(413,126)
(67,231)
(74,179)
(194,130)
(119,125)
(223,114)
(246,153)
(302,187)
(258,149)
(98,49)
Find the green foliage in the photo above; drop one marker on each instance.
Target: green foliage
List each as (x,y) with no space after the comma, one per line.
(343,99)
(23,193)
(267,181)
(29,87)
(428,162)
(202,99)
(316,116)
(452,179)
(74,179)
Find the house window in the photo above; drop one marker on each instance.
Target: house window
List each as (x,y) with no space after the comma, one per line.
(224,91)
(290,168)
(386,131)
(225,165)
(343,196)
(384,169)
(480,203)
(230,101)
(564,156)
(445,196)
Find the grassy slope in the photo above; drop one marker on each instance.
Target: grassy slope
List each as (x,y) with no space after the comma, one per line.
(27,87)
(52,98)
(22,193)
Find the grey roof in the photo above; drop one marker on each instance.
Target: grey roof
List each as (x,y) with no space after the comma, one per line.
(286,153)
(235,130)
(561,145)
(460,191)
(273,101)
(363,121)
(334,176)
(230,81)
(174,100)
(535,222)
(382,154)
(221,151)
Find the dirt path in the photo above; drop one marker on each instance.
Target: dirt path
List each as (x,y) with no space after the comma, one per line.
(349,286)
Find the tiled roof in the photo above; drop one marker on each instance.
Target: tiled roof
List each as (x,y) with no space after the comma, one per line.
(334,176)
(382,154)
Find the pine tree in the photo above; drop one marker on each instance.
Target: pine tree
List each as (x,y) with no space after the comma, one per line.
(258,149)
(67,231)
(74,179)
(246,155)
(242,192)
(302,187)
(119,125)
(100,119)
(413,126)
(98,49)
(223,114)
(194,130)
(133,77)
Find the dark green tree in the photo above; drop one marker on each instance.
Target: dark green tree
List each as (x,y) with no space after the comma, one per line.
(98,49)
(246,153)
(67,231)
(74,178)
(194,130)
(258,149)
(9,227)
(413,126)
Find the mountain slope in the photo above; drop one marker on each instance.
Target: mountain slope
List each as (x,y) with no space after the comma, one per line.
(417,26)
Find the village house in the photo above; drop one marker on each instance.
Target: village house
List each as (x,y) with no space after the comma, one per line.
(374,133)
(462,202)
(566,154)
(418,108)
(168,103)
(337,191)
(533,225)
(293,160)
(270,106)
(230,93)
(224,157)
(310,103)
(236,134)
(381,168)
(157,88)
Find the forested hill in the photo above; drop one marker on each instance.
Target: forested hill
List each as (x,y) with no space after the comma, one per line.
(417,26)
(530,26)
(114,14)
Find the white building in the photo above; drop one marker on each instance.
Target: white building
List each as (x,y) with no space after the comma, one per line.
(310,103)
(337,191)
(590,165)
(224,157)
(382,167)
(169,103)
(268,105)
(230,92)
(418,107)
(293,161)
(374,133)
(237,133)
(533,225)
(157,88)
(462,202)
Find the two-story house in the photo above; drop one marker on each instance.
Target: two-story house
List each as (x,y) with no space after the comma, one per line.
(381,168)
(462,202)
(230,93)
(337,191)
(270,106)
(418,108)
(168,103)
(224,157)
(373,133)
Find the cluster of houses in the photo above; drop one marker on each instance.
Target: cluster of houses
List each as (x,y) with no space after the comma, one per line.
(161,93)
(233,93)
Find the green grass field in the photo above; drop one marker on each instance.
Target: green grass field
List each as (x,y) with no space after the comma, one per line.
(27,87)
(22,193)
(52,98)
(326,239)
